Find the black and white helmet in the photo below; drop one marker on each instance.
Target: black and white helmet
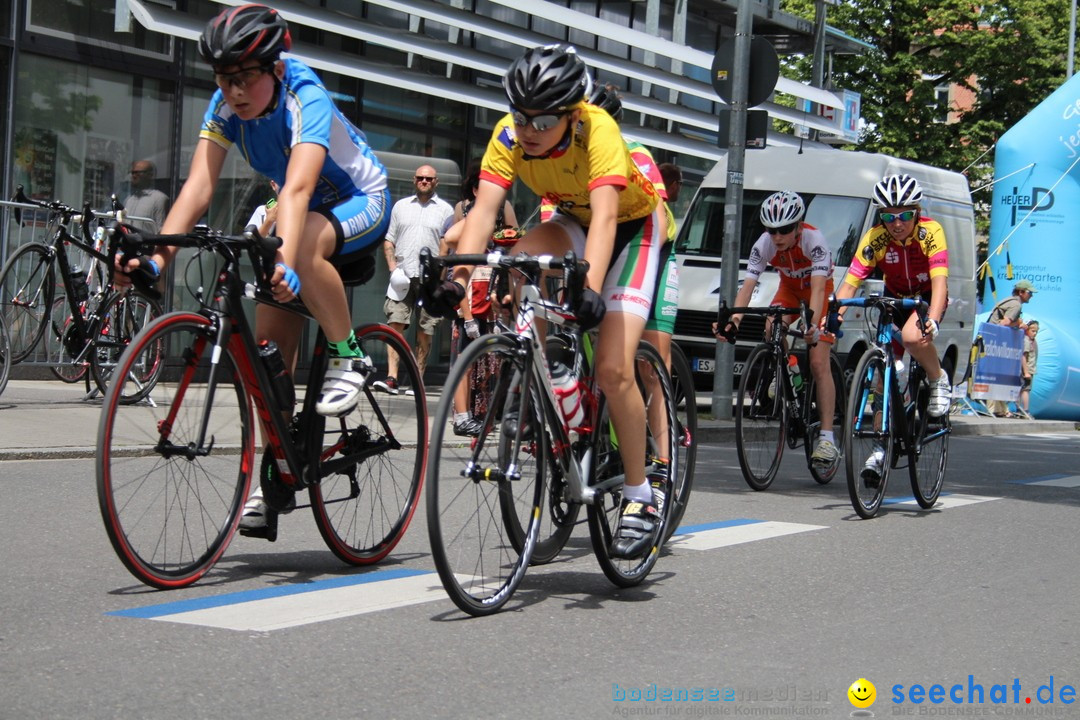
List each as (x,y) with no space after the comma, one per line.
(782,208)
(550,78)
(898,191)
(607,99)
(246,32)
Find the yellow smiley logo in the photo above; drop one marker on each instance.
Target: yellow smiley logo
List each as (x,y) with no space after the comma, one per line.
(862,693)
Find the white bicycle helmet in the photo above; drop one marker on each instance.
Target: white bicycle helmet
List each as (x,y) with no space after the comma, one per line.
(782,208)
(898,191)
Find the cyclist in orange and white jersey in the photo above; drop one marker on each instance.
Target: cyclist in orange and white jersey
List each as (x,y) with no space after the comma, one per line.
(800,253)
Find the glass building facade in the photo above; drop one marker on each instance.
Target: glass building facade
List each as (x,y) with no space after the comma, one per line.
(91,86)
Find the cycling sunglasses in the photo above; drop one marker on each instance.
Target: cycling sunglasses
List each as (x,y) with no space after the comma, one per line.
(783,230)
(901,216)
(540,123)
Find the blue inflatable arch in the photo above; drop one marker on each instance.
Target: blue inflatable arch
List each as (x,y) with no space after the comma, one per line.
(1035,225)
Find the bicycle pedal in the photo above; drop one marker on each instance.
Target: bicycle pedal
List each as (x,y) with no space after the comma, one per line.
(266,532)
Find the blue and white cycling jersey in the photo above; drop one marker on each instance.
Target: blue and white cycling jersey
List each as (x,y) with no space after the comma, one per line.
(304,113)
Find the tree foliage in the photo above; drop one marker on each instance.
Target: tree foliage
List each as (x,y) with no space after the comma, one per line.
(1011,55)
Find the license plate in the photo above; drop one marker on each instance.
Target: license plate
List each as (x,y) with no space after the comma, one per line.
(708,365)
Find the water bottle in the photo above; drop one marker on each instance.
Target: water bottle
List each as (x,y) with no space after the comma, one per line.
(279,376)
(795,371)
(568,394)
(902,378)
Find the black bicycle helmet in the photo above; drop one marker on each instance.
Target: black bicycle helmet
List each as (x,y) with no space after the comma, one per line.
(607,98)
(898,191)
(551,78)
(246,32)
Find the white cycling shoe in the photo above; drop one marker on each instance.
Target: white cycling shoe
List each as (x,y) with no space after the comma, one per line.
(342,385)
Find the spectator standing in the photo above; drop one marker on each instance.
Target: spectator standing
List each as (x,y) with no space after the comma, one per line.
(1027,367)
(416,222)
(1008,312)
(265,216)
(145,200)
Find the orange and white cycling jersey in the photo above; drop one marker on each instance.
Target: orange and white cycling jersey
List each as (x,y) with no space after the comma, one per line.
(796,265)
(908,266)
(592,155)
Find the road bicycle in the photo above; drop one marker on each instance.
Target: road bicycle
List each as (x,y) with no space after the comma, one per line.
(773,408)
(173,476)
(5,355)
(883,414)
(510,494)
(88,321)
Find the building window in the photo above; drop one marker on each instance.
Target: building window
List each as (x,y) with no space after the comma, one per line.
(96,21)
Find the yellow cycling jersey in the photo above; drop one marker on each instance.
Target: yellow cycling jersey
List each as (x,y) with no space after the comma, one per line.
(592,155)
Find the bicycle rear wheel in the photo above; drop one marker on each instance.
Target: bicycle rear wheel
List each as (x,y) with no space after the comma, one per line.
(124,315)
(813,423)
(760,418)
(27,286)
(929,452)
(682,387)
(863,436)
(371,460)
(654,383)
(485,493)
(5,355)
(171,506)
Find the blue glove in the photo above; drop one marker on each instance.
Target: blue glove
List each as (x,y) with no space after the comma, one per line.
(290,278)
(591,310)
(832,324)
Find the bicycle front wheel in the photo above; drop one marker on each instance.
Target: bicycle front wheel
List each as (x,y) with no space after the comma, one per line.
(760,418)
(654,384)
(173,474)
(485,493)
(813,422)
(5,355)
(929,452)
(682,386)
(123,316)
(868,443)
(27,286)
(58,341)
(371,462)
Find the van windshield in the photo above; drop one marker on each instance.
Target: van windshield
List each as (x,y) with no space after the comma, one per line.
(840,218)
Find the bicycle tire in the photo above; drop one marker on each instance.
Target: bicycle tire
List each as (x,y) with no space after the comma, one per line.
(761,417)
(57,341)
(682,384)
(170,517)
(928,454)
(122,317)
(861,437)
(603,515)
(470,485)
(813,422)
(5,355)
(363,508)
(27,287)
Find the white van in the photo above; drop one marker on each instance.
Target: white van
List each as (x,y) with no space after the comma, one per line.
(836,186)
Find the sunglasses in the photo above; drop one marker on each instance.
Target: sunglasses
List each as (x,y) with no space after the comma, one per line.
(425,178)
(540,123)
(901,216)
(782,230)
(241,78)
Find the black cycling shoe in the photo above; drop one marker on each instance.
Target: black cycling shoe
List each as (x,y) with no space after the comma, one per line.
(639,525)
(468,428)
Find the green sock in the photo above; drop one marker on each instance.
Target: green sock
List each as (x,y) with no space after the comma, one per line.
(349,347)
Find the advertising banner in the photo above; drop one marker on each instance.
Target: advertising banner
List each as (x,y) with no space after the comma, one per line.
(997,369)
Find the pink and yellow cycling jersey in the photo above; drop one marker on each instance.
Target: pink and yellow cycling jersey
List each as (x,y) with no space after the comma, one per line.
(908,266)
(592,155)
(796,265)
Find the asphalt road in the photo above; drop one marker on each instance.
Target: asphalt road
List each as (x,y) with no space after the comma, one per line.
(978,593)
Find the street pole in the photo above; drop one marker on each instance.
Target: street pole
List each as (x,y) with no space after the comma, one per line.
(733,201)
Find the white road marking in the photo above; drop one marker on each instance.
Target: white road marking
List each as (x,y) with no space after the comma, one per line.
(944,501)
(735,532)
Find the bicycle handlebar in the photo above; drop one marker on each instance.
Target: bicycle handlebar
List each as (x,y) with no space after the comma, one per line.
(879,301)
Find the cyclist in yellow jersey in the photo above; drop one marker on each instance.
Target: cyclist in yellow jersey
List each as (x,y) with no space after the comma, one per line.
(572,154)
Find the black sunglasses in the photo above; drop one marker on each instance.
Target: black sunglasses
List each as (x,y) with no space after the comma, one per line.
(540,123)
(425,178)
(782,230)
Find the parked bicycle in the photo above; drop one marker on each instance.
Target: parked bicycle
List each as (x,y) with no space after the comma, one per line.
(887,420)
(777,401)
(89,322)
(172,476)
(5,355)
(510,495)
